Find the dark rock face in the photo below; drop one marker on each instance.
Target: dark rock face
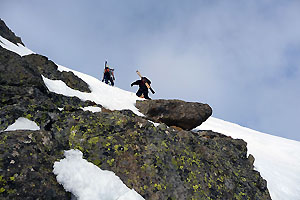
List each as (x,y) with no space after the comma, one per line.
(8,34)
(21,87)
(23,92)
(27,159)
(158,162)
(186,115)
(15,71)
(49,69)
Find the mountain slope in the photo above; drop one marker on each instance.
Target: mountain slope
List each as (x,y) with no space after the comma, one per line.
(276,158)
(134,134)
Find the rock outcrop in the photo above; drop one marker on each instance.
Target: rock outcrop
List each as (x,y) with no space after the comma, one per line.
(23,92)
(49,69)
(158,162)
(186,115)
(8,34)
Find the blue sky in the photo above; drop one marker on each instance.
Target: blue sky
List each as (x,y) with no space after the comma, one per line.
(241,57)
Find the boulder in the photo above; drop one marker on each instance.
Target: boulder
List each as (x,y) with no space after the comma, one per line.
(186,115)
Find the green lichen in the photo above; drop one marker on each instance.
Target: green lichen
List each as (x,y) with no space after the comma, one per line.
(93,140)
(2,190)
(3,141)
(11,191)
(97,162)
(160,186)
(110,162)
(29,116)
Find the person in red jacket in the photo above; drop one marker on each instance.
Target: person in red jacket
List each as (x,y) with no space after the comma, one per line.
(108,75)
(143,90)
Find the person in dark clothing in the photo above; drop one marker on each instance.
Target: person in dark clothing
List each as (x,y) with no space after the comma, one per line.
(143,90)
(108,75)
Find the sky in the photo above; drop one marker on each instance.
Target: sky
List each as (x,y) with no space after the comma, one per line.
(240,57)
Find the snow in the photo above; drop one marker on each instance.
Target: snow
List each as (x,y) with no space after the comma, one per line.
(92,109)
(276,158)
(23,124)
(112,98)
(154,123)
(19,49)
(88,182)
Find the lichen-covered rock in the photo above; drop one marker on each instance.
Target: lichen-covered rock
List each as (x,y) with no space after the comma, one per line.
(23,92)
(61,101)
(26,161)
(15,71)
(160,162)
(186,115)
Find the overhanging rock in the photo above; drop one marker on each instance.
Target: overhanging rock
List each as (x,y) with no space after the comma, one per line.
(186,115)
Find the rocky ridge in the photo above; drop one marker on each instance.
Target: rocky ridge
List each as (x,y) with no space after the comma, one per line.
(158,162)
(8,34)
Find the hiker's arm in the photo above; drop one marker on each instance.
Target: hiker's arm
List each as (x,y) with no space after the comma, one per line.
(136,83)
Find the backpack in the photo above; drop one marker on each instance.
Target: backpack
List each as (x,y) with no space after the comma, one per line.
(108,72)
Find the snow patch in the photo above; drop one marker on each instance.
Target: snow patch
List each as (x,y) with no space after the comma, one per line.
(23,124)
(19,49)
(154,123)
(88,182)
(92,109)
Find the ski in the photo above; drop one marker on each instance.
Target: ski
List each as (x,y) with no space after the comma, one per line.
(147,85)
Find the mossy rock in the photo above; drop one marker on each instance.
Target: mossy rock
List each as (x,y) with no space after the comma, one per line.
(160,162)
(26,162)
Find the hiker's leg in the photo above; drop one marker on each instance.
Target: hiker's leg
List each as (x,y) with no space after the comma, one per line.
(139,93)
(111,81)
(146,95)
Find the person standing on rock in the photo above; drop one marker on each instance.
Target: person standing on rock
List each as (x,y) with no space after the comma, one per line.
(108,75)
(143,89)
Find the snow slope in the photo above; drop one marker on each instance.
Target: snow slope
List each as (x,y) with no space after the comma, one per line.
(276,158)
(110,97)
